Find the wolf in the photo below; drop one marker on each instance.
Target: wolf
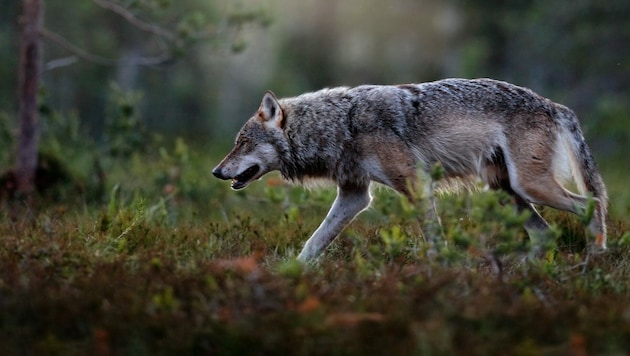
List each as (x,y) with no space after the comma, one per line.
(480,130)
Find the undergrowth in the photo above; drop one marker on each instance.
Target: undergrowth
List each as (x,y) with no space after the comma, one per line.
(168,260)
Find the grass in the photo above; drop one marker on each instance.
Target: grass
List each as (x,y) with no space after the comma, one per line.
(171,261)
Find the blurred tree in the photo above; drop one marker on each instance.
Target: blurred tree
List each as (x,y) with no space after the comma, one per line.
(165,36)
(30,63)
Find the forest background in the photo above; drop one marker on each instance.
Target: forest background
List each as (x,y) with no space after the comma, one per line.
(573,52)
(132,247)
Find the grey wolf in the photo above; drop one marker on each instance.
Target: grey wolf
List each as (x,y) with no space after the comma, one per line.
(505,136)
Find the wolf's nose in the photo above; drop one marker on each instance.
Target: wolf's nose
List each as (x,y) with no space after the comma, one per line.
(217,173)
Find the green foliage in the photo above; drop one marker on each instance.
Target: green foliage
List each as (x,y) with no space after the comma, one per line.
(394,240)
(190,26)
(124,130)
(6,139)
(613,111)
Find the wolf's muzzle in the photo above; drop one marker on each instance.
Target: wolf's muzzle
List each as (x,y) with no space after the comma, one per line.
(217,173)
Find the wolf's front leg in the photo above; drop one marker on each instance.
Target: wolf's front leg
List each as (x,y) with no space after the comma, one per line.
(349,203)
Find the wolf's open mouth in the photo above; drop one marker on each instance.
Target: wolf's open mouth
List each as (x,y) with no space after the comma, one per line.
(241,180)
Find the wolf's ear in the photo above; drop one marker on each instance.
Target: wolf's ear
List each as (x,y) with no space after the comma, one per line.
(270,112)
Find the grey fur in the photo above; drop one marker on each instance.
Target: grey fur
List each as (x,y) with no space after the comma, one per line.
(504,135)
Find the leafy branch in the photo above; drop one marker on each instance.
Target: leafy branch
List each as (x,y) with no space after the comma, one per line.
(190,28)
(134,20)
(90,57)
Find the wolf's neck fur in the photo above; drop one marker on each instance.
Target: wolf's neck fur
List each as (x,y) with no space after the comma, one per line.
(317,143)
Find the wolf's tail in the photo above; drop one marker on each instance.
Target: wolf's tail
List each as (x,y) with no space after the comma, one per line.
(585,171)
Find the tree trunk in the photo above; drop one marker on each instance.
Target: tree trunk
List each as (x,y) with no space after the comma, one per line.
(30,64)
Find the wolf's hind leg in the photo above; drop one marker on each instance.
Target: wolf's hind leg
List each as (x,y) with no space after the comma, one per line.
(556,196)
(535,223)
(348,204)
(498,176)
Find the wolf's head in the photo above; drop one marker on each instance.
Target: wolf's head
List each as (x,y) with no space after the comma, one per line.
(255,151)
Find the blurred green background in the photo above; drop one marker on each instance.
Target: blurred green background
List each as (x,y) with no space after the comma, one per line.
(574,52)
